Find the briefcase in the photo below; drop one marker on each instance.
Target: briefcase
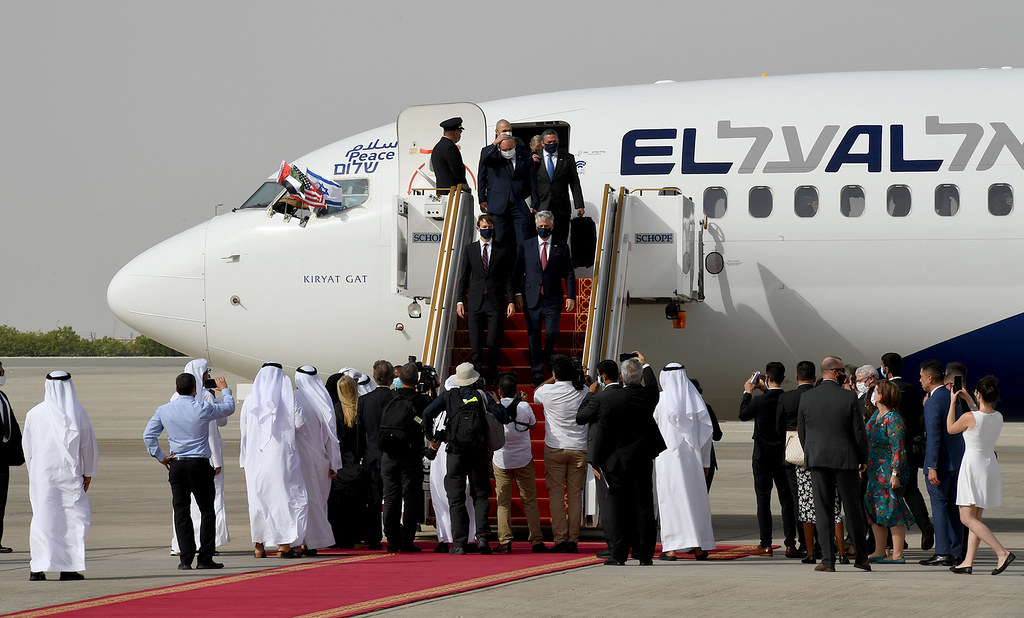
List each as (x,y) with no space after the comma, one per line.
(582,241)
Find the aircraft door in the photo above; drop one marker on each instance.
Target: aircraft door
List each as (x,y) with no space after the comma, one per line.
(419,211)
(662,230)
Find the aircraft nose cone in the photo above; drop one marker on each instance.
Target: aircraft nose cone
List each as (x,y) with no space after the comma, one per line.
(162,292)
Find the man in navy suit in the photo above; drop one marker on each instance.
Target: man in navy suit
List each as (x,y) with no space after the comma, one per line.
(542,263)
(942,456)
(556,177)
(506,179)
(484,293)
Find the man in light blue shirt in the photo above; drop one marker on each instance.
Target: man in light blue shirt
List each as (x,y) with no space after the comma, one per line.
(187,423)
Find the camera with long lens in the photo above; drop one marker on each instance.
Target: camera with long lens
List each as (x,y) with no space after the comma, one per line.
(426,382)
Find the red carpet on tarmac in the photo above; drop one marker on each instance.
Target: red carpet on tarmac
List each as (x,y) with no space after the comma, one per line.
(354,582)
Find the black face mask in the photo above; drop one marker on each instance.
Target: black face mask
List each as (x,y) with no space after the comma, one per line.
(487,233)
(841,378)
(551,148)
(543,232)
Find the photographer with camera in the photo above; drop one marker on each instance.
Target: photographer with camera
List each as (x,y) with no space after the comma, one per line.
(565,449)
(514,462)
(768,455)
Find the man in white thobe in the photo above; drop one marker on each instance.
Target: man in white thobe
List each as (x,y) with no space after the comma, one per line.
(200,369)
(319,453)
(61,455)
(683,501)
(270,460)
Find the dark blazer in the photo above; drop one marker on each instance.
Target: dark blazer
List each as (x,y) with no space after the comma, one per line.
(942,451)
(446,160)
(831,428)
(11,453)
(530,281)
(472,278)
(627,432)
(368,414)
(789,403)
(589,413)
(769,443)
(498,185)
(554,191)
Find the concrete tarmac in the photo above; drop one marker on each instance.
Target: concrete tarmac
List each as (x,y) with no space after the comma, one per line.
(128,543)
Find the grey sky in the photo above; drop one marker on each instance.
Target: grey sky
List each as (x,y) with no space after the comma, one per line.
(123,123)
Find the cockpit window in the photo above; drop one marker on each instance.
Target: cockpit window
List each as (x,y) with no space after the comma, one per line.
(266,195)
(347,193)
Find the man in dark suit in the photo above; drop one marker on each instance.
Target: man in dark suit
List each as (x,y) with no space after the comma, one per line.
(627,442)
(368,414)
(912,411)
(556,177)
(786,420)
(446,160)
(11,453)
(589,414)
(769,451)
(831,430)
(541,265)
(484,293)
(506,179)
(942,456)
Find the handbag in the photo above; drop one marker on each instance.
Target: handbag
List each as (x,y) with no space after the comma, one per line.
(794,450)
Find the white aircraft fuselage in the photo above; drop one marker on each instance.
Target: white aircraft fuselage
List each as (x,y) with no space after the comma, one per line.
(921,261)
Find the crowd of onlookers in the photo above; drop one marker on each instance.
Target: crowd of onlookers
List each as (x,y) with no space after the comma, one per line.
(847,449)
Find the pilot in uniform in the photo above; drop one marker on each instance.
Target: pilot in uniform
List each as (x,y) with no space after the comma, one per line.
(445,158)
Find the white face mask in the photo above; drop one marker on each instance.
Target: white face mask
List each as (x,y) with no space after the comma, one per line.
(861,388)
(508,154)
(874,399)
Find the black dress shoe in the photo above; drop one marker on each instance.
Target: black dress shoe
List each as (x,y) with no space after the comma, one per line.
(794,553)
(485,549)
(36,576)
(375,546)
(1006,563)
(928,537)
(647,563)
(614,562)
(967,570)
(456,550)
(71,576)
(667,557)
(441,548)
(503,548)
(864,566)
(540,548)
(210,565)
(184,567)
(843,560)
(410,549)
(5,550)
(937,560)
(810,559)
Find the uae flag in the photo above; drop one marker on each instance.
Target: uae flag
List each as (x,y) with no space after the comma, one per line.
(299,184)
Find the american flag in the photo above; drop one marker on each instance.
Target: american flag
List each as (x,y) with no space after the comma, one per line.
(298,183)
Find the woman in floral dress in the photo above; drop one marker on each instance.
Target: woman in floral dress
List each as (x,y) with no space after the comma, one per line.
(887,474)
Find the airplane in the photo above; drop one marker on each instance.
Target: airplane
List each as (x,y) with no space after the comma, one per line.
(769,218)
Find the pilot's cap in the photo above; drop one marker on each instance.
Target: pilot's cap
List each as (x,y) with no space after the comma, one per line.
(452,123)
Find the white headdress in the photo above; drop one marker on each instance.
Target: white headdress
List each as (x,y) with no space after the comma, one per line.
(363,382)
(272,402)
(65,413)
(312,387)
(198,369)
(681,413)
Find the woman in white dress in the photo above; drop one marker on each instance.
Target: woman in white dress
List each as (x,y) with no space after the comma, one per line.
(978,482)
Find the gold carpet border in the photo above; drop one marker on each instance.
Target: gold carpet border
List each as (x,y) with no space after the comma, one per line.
(207,583)
(461,586)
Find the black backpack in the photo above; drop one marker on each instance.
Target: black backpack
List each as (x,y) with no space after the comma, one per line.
(399,434)
(467,426)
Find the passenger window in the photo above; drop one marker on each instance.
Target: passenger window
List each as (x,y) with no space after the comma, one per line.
(851,201)
(947,200)
(760,202)
(805,201)
(347,193)
(1000,199)
(897,201)
(715,202)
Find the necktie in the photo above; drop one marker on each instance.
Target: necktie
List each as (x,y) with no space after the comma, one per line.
(483,257)
(544,255)
(551,166)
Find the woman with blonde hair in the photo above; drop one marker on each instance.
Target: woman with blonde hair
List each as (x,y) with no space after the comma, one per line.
(347,504)
(978,482)
(887,474)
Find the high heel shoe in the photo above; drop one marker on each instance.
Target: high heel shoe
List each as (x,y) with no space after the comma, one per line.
(1006,563)
(967,570)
